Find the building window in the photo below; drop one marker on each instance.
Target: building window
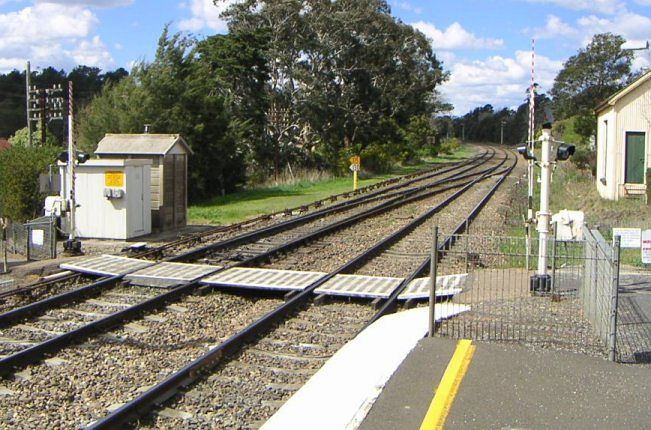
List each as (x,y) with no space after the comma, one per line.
(604,169)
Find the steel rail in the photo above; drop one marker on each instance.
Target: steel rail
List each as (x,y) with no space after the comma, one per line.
(390,304)
(354,219)
(37,285)
(193,371)
(387,183)
(36,352)
(286,225)
(95,288)
(437,170)
(58,300)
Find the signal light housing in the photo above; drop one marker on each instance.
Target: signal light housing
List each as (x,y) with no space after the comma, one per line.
(82,157)
(524,151)
(564,151)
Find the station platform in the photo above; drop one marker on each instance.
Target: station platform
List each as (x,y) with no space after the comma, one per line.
(513,387)
(386,379)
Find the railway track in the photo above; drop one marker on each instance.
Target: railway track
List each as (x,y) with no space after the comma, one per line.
(288,346)
(58,282)
(146,331)
(23,327)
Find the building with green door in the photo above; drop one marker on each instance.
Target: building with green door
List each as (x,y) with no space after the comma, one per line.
(623,155)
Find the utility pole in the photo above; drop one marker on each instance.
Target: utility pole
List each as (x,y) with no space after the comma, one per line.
(43,106)
(502,122)
(43,112)
(28,76)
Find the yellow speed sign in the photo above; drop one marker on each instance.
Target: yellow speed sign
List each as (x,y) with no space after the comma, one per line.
(355,159)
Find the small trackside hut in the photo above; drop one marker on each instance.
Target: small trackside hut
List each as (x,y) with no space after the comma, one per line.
(169,172)
(623,150)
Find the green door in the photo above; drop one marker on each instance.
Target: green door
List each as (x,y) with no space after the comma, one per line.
(635,152)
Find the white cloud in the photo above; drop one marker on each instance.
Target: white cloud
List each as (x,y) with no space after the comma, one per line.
(601,6)
(206,14)
(635,28)
(92,53)
(50,34)
(455,37)
(89,3)
(555,27)
(406,6)
(500,81)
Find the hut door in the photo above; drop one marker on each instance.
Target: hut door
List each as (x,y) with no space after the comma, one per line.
(179,190)
(635,151)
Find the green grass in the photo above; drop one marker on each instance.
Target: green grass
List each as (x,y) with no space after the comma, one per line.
(248,204)
(575,189)
(251,203)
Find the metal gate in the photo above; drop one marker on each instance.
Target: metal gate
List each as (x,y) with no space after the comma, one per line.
(36,239)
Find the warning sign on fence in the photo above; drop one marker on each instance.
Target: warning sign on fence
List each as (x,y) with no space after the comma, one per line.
(630,237)
(646,247)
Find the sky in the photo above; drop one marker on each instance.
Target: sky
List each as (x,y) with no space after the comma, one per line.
(484,44)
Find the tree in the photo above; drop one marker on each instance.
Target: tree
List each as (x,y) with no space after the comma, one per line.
(20,138)
(590,77)
(343,75)
(20,198)
(209,92)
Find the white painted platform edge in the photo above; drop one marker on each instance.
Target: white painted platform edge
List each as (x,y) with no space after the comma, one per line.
(341,393)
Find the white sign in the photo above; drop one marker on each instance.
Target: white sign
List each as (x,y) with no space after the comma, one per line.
(354,167)
(630,237)
(646,247)
(37,237)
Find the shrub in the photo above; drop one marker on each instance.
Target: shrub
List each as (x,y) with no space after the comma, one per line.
(20,167)
(450,145)
(376,159)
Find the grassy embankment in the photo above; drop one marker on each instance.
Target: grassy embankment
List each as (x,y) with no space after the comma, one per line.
(575,189)
(257,201)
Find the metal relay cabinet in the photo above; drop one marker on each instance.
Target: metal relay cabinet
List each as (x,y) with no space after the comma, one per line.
(113,198)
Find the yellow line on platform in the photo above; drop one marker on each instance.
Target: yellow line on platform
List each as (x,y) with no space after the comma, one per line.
(447,389)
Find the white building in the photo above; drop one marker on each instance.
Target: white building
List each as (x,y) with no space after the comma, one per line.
(623,153)
(169,171)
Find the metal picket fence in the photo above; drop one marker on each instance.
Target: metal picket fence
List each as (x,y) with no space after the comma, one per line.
(36,239)
(577,311)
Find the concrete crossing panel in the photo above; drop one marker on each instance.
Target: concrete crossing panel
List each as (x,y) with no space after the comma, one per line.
(447,285)
(167,274)
(107,265)
(359,286)
(266,279)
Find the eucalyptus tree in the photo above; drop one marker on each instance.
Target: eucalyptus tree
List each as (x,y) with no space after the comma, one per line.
(342,73)
(589,77)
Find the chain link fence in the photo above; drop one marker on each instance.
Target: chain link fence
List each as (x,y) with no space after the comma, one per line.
(577,310)
(36,239)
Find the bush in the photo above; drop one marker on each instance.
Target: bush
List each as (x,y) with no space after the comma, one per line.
(376,159)
(585,158)
(450,145)
(20,167)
